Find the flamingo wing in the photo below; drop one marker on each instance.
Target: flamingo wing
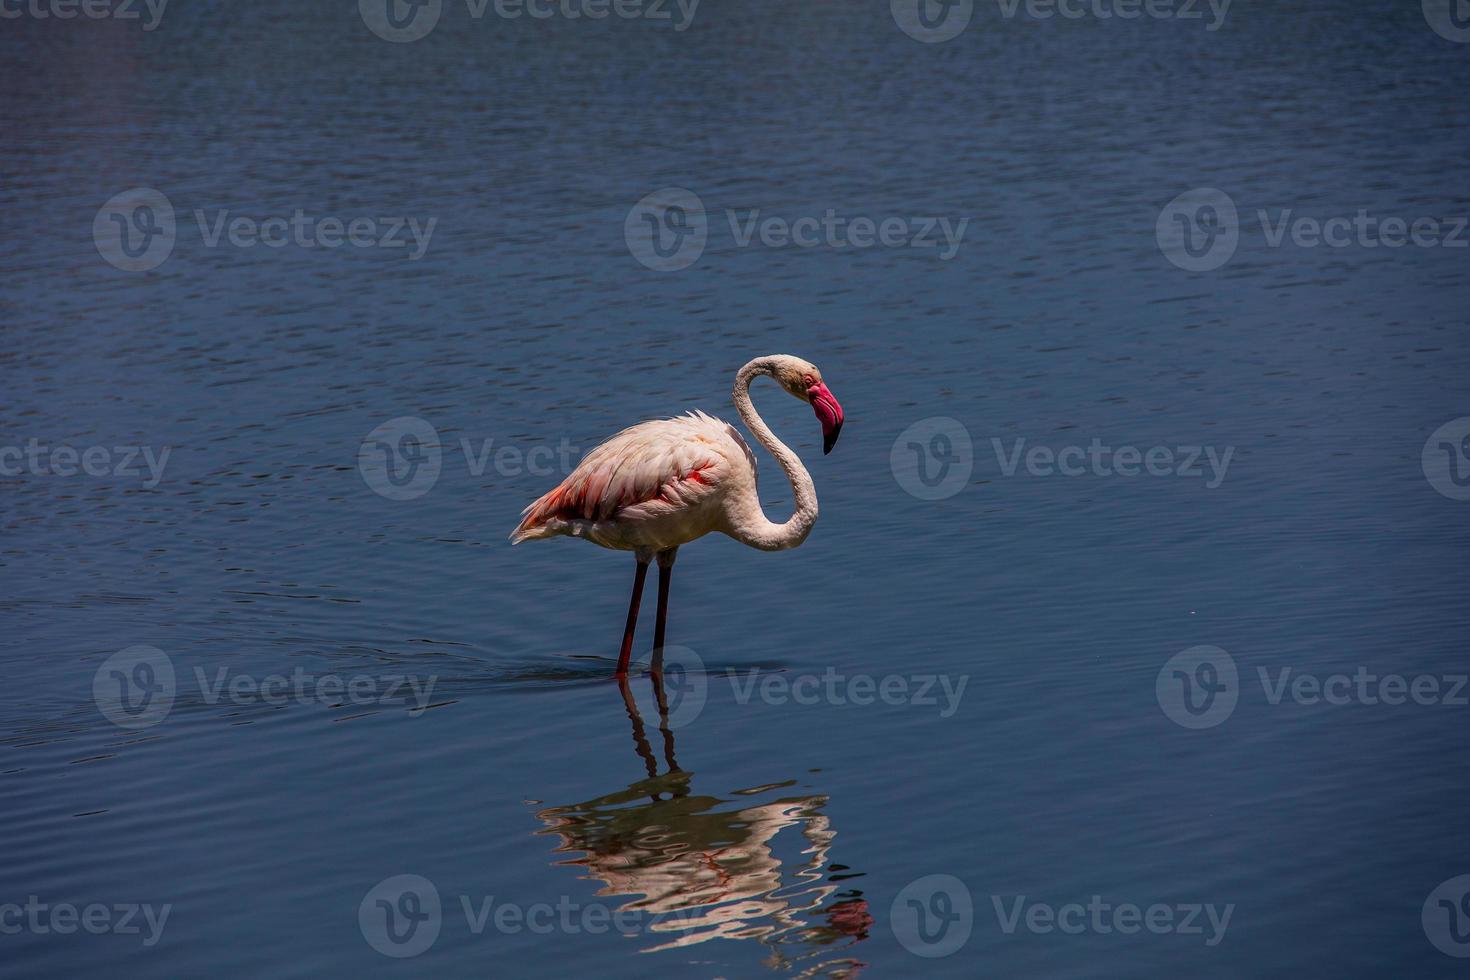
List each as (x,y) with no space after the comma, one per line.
(650,469)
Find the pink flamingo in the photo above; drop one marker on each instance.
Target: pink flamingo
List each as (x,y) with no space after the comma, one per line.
(660,484)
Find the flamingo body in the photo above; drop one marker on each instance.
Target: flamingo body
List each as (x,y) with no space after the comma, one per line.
(653,486)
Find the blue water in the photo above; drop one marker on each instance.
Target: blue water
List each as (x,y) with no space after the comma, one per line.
(744,834)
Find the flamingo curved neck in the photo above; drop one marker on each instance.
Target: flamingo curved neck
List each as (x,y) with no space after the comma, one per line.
(750,524)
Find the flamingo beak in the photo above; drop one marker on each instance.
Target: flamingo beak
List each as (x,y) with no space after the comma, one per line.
(829,413)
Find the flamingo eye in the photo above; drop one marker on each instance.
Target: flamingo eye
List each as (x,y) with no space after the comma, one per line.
(808,380)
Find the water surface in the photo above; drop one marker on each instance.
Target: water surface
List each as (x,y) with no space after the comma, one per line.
(755,836)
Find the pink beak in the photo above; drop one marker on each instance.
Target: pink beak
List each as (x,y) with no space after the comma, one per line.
(828,412)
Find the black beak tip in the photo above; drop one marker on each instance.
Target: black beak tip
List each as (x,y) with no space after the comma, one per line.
(830,439)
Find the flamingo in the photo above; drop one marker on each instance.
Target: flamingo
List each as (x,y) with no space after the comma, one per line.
(663,483)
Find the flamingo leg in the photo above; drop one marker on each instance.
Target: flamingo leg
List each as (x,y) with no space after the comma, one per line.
(626,653)
(665,573)
(663,722)
(640,740)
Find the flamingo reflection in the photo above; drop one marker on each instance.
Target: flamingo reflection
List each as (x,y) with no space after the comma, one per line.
(703,868)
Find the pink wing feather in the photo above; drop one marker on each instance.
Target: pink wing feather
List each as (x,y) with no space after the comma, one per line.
(648,469)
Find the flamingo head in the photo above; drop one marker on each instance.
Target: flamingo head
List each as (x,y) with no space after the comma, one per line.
(803,380)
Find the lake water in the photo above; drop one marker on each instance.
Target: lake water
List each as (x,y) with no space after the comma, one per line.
(966,671)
